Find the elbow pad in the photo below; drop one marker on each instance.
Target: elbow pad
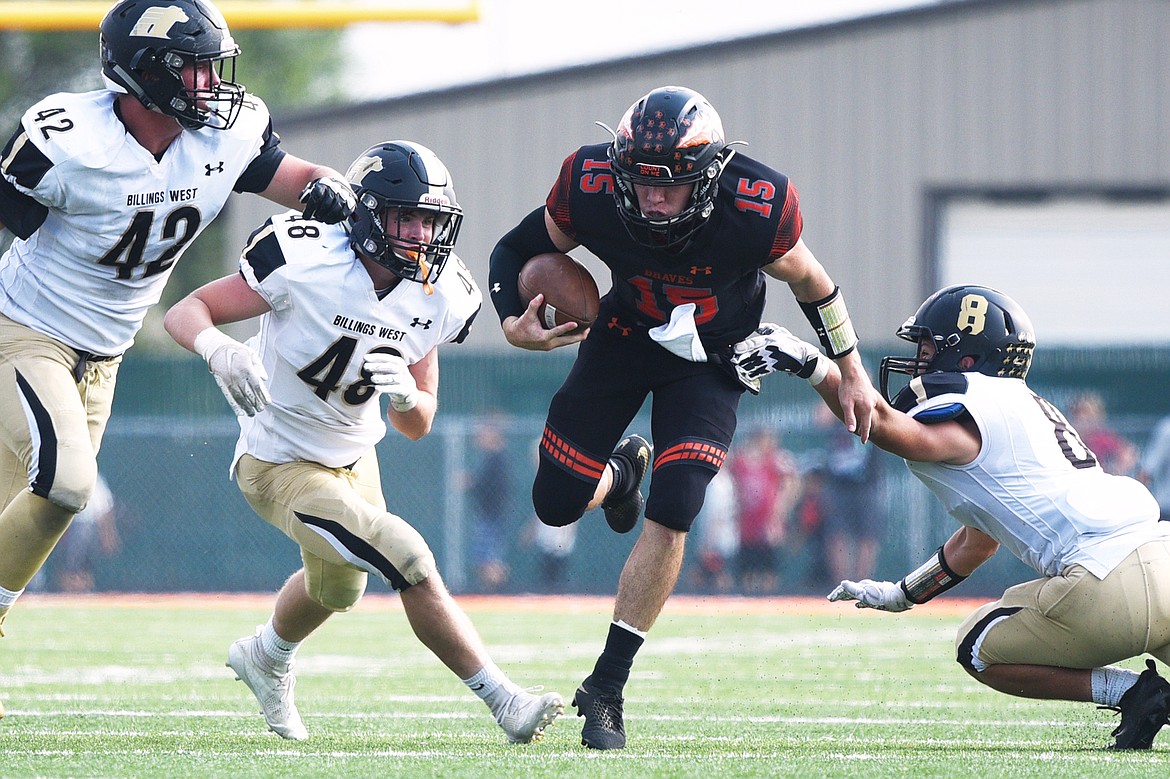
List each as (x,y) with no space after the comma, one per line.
(521,243)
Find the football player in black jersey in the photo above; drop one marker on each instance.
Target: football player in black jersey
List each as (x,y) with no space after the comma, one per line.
(689,229)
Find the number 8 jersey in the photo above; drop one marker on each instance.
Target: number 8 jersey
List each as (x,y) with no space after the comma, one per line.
(1034,487)
(101,222)
(326,317)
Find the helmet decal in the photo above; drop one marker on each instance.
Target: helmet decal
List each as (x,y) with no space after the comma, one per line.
(157,22)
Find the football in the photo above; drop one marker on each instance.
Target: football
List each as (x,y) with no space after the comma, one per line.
(570,293)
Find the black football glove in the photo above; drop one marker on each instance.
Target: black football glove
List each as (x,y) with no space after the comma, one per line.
(328,200)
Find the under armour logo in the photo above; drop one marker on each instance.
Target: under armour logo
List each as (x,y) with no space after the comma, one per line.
(495,287)
(419,323)
(705,270)
(613,325)
(217,169)
(157,22)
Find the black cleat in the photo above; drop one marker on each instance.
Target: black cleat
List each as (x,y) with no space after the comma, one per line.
(623,509)
(603,728)
(1144,709)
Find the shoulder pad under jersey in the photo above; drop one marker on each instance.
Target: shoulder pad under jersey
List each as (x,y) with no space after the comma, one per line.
(931,385)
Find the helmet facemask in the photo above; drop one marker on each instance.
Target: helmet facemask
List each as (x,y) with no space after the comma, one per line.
(215,105)
(416,261)
(670,137)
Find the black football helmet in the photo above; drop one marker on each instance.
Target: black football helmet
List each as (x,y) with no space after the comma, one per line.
(146,43)
(669,136)
(403,175)
(966,321)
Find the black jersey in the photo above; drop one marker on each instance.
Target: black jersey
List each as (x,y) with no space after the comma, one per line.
(756,220)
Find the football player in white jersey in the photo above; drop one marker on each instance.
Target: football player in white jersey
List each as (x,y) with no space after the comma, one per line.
(103,191)
(347,315)
(1010,468)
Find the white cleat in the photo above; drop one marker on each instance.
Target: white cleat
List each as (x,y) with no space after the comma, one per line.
(524,716)
(272,686)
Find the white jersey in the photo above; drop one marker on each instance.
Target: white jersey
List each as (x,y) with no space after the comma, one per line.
(112,220)
(1034,487)
(325,318)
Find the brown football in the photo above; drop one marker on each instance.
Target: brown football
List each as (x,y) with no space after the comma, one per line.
(570,293)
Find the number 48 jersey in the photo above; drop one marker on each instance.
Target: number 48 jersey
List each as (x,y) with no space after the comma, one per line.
(326,317)
(1034,487)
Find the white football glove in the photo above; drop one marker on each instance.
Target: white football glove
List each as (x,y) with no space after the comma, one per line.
(390,374)
(773,348)
(328,200)
(237,370)
(870,594)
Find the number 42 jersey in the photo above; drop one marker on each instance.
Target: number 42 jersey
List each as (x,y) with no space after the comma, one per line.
(326,317)
(100,222)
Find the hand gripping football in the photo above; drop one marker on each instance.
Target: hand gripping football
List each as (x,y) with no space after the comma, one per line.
(570,293)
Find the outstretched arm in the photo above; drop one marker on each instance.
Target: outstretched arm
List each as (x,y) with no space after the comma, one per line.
(811,285)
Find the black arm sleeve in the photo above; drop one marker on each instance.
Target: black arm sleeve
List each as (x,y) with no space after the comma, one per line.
(521,243)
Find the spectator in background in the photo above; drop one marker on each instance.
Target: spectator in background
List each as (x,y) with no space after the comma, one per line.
(554,547)
(1115,453)
(1154,466)
(767,485)
(718,531)
(854,502)
(490,489)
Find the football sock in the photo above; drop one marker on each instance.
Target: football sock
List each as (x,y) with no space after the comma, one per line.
(492,685)
(1110,683)
(612,670)
(7,598)
(275,648)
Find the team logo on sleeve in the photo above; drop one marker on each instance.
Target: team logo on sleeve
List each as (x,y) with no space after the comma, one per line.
(157,22)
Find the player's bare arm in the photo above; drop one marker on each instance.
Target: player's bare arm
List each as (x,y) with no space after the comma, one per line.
(809,281)
(225,300)
(956,442)
(968,549)
(414,399)
(294,175)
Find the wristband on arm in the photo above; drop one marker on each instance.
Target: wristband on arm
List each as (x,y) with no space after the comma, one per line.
(934,577)
(830,319)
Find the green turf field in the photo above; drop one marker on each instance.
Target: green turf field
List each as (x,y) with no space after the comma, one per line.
(124,688)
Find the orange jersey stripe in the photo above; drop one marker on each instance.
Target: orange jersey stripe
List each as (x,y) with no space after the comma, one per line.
(703,451)
(570,456)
